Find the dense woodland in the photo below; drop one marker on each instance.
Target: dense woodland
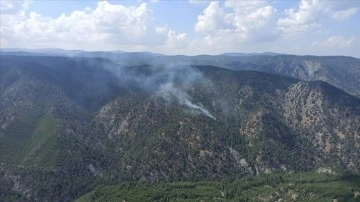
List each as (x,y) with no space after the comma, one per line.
(91,129)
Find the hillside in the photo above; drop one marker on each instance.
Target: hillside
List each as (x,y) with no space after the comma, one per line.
(340,71)
(70,124)
(270,187)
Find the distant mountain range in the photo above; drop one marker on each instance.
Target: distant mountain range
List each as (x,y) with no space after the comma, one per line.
(68,124)
(250,54)
(340,71)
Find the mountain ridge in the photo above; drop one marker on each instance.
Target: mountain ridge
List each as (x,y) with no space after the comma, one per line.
(112,123)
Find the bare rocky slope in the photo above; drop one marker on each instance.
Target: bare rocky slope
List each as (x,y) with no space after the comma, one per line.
(340,71)
(68,124)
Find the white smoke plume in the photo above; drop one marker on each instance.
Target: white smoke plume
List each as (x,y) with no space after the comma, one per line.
(168,82)
(169,93)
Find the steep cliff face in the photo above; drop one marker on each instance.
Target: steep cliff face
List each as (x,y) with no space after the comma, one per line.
(261,122)
(342,72)
(313,109)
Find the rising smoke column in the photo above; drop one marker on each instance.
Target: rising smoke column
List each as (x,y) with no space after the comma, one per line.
(159,80)
(171,93)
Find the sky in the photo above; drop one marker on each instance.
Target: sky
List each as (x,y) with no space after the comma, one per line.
(186,27)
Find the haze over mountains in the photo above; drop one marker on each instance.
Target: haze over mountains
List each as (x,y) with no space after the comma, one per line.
(72,119)
(340,71)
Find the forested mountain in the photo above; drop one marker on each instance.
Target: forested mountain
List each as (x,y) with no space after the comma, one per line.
(68,124)
(340,71)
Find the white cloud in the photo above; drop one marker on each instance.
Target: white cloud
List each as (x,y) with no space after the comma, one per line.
(151,1)
(335,42)
(341,10)
(335,45)
(222,26)
(11,14)
(245,6)
(174,40)
(236,23)
(199,1)
(311,12)
(108,26)
(13,7)
(301,20)
(213,19)
(344,14)
(257,26)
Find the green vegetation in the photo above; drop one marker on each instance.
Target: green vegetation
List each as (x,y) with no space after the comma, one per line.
(44,138)
(31,139)
(71,126)
(308,186)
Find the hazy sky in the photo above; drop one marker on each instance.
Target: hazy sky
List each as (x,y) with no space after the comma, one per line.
(319,27)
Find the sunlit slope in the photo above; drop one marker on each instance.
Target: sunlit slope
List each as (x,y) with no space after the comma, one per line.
(82,121)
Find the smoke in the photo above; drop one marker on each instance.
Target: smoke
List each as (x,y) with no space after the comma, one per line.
(170,93)
(226,108)
(168,82)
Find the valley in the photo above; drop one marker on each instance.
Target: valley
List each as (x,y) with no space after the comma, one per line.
(92,125)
